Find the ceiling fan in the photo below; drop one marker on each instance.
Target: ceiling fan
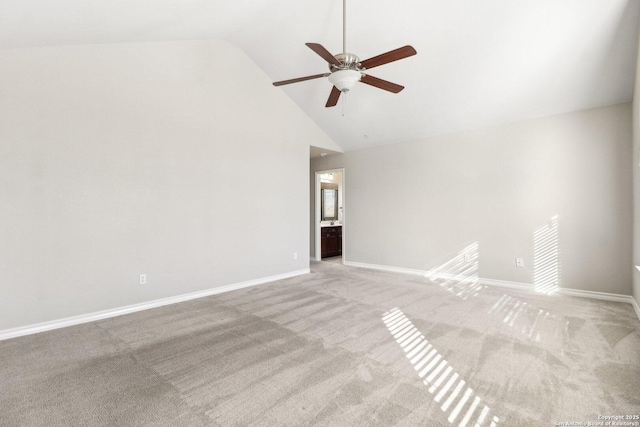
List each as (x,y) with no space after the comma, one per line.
(347,69)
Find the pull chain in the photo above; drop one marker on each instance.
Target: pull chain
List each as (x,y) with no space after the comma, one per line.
(344,102)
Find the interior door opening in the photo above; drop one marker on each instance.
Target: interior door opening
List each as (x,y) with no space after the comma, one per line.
(330,216)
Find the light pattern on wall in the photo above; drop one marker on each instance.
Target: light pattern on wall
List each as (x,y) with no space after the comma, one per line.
(546,257)
(459,274)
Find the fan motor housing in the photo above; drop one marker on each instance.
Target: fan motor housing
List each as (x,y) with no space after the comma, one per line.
(348,61)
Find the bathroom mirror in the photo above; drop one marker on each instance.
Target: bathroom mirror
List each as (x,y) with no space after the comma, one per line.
(329,199)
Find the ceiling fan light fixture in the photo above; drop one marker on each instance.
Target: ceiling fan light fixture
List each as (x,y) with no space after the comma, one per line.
(347,69)
(344,80)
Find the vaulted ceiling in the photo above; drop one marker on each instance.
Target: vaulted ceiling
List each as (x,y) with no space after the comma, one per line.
(479,63)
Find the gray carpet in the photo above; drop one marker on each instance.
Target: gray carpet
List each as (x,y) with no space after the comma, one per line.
(341,346)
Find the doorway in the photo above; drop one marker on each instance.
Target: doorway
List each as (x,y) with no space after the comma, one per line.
(330,215)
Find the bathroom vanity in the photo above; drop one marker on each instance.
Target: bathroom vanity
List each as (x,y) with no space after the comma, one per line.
(331,241)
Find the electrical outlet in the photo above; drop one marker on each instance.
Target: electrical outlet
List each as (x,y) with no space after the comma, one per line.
(519,262)
(467,257)
(143,279)
(295,255)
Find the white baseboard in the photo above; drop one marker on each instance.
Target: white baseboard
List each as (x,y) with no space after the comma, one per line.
(636,307)
(105,314)
(438,275)
(596,295)
(528,287)
(502,284)
(385,268)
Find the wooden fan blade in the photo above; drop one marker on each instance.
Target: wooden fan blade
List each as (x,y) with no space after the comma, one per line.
(382,84)
(324,53)
(390,56)
(300,79)
(333,97)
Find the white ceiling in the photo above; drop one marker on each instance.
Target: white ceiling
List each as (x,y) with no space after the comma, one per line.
(479,63)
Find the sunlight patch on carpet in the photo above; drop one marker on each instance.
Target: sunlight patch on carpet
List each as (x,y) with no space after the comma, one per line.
(459,401)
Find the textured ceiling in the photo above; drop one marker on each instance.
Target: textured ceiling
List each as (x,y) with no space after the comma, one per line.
(479,63)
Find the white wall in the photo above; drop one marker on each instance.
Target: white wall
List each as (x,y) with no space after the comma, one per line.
(418,204)
(179,160)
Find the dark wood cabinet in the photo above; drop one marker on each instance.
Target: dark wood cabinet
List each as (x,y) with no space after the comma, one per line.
(331,241)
